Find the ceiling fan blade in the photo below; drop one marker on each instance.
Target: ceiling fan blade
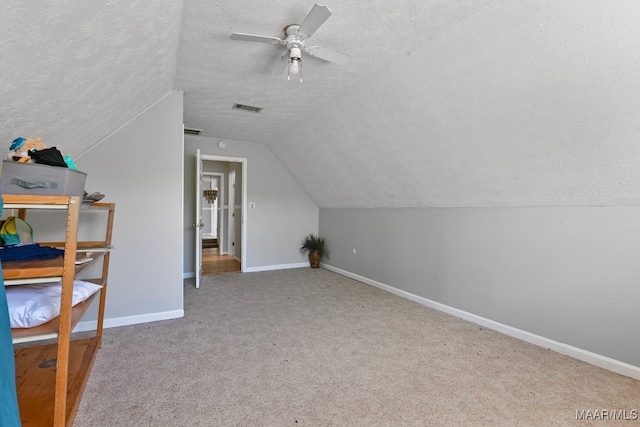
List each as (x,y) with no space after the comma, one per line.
(255,38)
(280,65)
(328,55)
(313,20)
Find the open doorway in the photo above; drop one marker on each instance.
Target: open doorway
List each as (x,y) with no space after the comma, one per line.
(222,216)
(214,263)
(214,205)
(212,194)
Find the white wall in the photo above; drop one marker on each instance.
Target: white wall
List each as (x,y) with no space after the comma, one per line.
(566,274)
(139,168)
(284,213)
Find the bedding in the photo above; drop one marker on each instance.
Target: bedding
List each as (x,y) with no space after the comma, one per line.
(33,305)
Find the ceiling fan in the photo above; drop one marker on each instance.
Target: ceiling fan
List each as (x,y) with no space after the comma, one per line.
(296,34)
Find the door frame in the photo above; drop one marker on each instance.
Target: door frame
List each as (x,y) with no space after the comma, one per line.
(243,217)
(231,213)
(197,225)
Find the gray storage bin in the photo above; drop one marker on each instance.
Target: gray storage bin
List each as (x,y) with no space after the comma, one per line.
(34,178)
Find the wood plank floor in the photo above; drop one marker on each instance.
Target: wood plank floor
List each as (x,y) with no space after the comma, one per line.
(36,380)
(214,263)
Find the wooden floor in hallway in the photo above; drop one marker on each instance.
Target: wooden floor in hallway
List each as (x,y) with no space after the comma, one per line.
(214,263)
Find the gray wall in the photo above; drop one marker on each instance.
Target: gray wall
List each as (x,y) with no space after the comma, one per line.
(139,168)
(566,274)
(284,213)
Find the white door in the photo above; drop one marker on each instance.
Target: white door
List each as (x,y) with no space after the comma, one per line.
(197,225)
(232,207)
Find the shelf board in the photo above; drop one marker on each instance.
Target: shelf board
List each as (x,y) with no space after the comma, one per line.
(13,201)
(98,206)
(25,269)
(44,268)
(38,201)
(50,328)
(36,380)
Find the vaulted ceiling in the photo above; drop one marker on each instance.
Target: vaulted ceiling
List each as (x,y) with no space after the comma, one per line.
(444,102)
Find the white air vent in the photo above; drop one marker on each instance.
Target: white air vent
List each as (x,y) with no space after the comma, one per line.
(191,131)
(247,108)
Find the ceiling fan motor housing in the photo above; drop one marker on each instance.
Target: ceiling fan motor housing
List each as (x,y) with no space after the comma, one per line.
(293,40)
(295,53)
(291,30)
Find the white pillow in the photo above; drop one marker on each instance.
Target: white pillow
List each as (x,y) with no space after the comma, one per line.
(33,305)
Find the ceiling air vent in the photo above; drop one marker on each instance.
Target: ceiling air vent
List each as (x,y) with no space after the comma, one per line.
(191,131)
(247,108)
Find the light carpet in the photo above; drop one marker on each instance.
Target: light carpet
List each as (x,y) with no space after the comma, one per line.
(309,347)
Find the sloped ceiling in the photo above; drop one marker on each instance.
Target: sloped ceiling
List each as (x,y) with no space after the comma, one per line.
(444,103)
(72,72)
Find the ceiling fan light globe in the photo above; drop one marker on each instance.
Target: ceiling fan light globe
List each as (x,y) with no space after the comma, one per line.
(294,66)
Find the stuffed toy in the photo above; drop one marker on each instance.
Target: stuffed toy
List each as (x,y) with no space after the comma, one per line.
(34,151)
(21,147)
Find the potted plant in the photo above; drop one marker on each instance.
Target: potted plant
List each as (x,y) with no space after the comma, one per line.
(316,247)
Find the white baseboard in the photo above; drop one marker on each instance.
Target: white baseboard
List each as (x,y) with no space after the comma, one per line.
(189,275)
(90,325)
(275,267)
(562,348)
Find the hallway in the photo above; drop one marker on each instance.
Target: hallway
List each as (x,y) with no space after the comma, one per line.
(214,263)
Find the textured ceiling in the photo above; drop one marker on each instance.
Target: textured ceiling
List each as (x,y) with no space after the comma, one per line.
(72,72)
(215,72)
(444,102)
